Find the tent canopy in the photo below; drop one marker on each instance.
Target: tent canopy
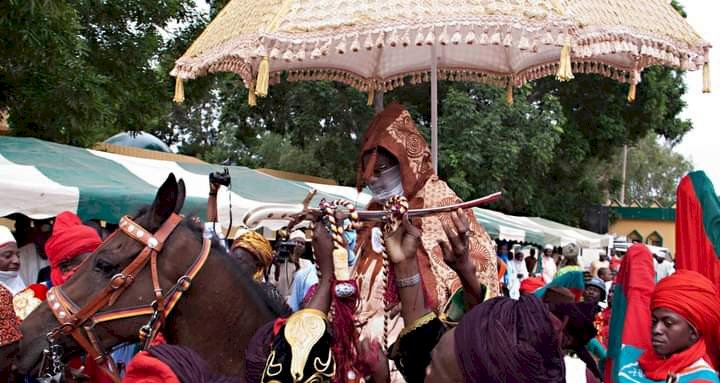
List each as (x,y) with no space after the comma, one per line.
(537,230)
(41,179)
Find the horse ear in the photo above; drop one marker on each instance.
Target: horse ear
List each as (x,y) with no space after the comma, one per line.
(165,201)
(180,197)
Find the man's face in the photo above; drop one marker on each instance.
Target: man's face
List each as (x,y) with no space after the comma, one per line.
(518,255)
(69,266)
(605,274)
(246,259)
(503,249)
(592,294)
(299,244)
(383,162)
(548,252)
(671,333)
(9,259)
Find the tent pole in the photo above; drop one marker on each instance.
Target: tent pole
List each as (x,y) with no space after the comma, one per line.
(433,108)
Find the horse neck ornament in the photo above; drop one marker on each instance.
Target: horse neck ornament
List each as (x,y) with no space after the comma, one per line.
(80,322)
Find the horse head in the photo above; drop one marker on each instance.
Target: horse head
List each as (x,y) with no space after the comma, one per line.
(98,271)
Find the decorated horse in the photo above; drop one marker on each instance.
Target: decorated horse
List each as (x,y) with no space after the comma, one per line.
(156,272)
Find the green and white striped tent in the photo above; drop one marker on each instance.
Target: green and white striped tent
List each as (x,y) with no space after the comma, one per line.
(41,179)
(537,230)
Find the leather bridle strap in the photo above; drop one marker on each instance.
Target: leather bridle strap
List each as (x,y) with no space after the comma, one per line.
(120,282)
(71,319)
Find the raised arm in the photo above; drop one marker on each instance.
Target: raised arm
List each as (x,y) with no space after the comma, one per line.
(322,248)
(401,247)
(212,213)
(456,254)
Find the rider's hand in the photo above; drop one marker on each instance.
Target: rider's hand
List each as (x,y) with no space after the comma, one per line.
(456,251)
(323,247)
(402,244)
(372,356)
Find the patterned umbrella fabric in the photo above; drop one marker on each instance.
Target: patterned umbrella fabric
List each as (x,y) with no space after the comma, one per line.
(378,45)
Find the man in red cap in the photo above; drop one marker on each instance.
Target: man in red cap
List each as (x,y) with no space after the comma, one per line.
(70,243)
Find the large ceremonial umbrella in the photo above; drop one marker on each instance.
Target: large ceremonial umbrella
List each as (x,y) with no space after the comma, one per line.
(378,45)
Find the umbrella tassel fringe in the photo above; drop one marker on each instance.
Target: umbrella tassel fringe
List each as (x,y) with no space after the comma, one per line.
(252,100)
(632,93)
(263,78)
(565,70)
(179,91)
(706,78)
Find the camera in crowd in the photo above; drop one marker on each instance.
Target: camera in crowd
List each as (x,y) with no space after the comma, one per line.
(283,250)
(221,178)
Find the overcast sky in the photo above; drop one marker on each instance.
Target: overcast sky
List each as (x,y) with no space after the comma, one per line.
(701,144)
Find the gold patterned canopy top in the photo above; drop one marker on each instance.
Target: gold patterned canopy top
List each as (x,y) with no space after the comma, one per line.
(377,45)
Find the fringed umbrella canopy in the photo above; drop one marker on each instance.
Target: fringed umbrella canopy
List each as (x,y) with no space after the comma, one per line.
(378,45)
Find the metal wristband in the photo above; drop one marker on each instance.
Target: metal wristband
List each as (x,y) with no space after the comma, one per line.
(408,282)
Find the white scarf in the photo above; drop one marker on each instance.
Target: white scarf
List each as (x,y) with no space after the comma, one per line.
(386,185)
(12,281)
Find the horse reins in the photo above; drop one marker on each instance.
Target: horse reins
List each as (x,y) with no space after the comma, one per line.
(74,320)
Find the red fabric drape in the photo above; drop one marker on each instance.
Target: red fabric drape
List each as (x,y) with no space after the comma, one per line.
(694,249)
(631,321)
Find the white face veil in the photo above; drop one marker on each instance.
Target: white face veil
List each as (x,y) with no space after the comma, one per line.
(387,184)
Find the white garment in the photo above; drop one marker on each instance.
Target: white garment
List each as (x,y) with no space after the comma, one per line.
(608,287)
(517,272)
(286,276)
(663,270)
(30,263)
(575,370)
(377,240)
(549,268)
(12,281)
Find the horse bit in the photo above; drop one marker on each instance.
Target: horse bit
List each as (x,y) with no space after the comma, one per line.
(74,320)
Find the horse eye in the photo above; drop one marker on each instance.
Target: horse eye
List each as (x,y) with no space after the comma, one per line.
(104,267)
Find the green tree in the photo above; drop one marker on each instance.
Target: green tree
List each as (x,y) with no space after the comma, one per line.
(75,71)
(653,172)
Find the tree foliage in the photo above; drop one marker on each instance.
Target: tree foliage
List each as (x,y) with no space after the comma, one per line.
(653,172)
(75,71)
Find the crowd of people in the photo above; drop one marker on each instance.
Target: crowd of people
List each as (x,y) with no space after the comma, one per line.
(435,299)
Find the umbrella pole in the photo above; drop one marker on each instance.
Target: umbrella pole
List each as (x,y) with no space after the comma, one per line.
(378,102)
(433,108)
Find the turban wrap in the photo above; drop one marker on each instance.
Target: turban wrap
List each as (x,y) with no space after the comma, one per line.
(693,297)
(530,285)
(69,239)
(6,237)
(504,340)
(259,247)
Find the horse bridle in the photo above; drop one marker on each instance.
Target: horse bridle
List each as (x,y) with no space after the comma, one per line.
(75,320)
